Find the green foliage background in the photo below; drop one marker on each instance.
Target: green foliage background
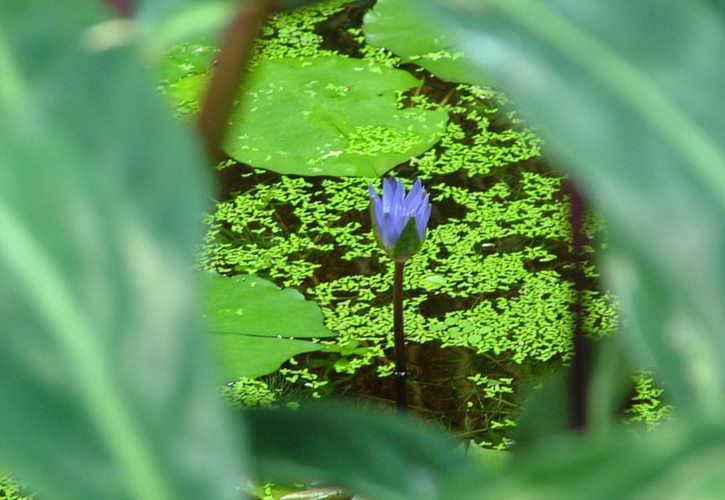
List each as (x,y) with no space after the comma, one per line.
(490,289)
(107,383)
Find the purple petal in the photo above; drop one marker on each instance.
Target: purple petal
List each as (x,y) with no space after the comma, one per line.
(387,231)
(421,222)
(415,197)
(399,197)
(389,186)
(394,207)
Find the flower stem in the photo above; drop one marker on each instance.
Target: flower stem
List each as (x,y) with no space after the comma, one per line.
(401,389)
(580,369)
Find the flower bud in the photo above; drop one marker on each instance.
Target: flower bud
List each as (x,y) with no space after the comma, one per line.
(399,218)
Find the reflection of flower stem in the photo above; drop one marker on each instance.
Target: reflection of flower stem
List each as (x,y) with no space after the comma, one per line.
(446,98)
(420,87)
(280,221)
(401,390)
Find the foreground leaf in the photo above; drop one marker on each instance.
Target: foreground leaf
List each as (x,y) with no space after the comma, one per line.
(107,385)
(625,95)
(678,460)
(374,454)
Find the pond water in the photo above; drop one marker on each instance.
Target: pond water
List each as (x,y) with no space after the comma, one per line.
(488,300)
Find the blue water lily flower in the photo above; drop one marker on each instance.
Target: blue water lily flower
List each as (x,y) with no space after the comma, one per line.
(400,219)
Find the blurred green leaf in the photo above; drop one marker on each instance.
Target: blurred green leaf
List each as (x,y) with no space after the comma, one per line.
(677,461)
(196,20)
(545,409)
(107,384)
(253,321)
(486,457)
(374,454)
(610,385)
(626,95)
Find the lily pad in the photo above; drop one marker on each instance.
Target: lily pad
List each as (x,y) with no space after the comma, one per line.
(254,323)
(330,115)
(394,25)
(185,60)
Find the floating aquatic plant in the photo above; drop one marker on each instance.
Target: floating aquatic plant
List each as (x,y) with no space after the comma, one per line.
(321,115)
(488,294)
(400,220)
(394,25)
(257,326)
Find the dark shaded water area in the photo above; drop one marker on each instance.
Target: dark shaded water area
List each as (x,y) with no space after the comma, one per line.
(471,392)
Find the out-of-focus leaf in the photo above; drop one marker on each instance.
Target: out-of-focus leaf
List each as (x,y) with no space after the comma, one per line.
(166,20)
(546,406)
(107,385)
(609,387)
(485,457)
(197,20)
(374,454)
(253,322)
(628,96)
(679,460)
(398,26)
(545,409)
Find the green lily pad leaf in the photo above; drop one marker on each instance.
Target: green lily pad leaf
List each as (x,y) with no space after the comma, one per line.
(331,115)
(398,27)
(247,356)
(184,74)
(253,320)
(187,59)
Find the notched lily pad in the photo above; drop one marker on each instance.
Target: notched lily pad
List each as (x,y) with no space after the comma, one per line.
(397,26)
(330,115)
(254,323)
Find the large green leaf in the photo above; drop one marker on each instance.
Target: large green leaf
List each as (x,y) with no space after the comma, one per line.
(397,26)
(331,115)
(681,460)
(246,356)
(107,385)
(625,94)
(253,322)
(376,455)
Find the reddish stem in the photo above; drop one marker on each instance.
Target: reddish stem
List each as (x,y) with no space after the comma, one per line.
(401,359)
(233,59)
